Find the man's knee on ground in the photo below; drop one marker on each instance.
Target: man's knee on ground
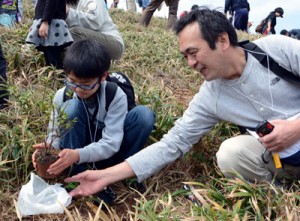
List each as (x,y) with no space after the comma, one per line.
(77,33)
(228,157)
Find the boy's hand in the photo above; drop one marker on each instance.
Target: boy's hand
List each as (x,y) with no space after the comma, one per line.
(66,158)
(37,147)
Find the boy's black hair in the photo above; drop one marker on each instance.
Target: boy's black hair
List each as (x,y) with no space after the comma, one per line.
(87,59)
(212,23)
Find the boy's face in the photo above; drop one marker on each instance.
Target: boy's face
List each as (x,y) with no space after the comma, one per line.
(83,87)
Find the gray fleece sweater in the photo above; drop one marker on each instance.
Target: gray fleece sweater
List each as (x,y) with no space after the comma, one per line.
(93,15)
(112,134)
(257,95)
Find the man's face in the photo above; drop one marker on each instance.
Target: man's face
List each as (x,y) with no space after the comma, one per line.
(198,53)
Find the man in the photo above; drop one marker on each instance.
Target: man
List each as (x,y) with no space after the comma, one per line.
(241,9)
(237,89)
(153,5)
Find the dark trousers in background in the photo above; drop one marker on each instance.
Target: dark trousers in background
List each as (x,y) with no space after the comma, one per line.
(53,56)
(3,79)
(153,5)
(241,19)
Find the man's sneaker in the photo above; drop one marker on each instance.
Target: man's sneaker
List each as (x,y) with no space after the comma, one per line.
(107,195)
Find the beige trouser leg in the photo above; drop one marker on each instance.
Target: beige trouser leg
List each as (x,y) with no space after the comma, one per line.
(242,154)
(114,47)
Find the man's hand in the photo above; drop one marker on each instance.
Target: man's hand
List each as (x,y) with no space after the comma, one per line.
(284,134)
(91,182)
(66,158)
(43,31)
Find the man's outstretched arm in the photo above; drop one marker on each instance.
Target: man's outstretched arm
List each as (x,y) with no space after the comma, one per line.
(94,181)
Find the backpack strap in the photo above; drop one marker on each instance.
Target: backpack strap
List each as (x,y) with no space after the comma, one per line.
(68,93)
(262,57)
(110,92)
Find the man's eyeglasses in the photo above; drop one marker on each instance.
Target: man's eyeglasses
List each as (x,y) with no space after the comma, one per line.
(83,87)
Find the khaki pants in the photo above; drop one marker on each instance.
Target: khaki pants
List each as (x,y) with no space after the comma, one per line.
(153,5)
(242,155)
(114,47)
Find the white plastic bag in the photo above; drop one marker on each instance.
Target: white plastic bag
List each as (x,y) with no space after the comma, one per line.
(38,197)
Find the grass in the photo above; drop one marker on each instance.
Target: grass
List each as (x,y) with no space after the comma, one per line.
(163,81)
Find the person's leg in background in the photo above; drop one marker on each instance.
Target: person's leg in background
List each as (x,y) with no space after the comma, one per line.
(53,56)
(114,47)
(241,17)
(148,12)
(3,80)
(173,8)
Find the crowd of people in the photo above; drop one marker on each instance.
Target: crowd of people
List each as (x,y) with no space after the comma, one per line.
(106,144)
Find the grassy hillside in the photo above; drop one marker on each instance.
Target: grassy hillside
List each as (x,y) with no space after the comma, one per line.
(164,82)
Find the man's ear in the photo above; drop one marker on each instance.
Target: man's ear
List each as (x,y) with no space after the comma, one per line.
(106,73)
(223,41)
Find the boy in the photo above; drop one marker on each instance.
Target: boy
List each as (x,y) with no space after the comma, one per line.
(99,138)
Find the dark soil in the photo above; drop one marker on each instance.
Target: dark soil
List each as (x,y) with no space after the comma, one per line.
(44,158)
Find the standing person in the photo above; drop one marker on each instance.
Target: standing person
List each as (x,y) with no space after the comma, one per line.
(90,19)
(101,137)
(240,10)
(49,31)
(237,89)
(270,21)
(153,5)
(143,4)
(3,79)
(114,4)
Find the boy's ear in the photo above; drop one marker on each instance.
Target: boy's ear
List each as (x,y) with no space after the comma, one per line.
(106,73)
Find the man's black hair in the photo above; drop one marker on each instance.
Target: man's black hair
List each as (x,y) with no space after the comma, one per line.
(87,59)
(212,23)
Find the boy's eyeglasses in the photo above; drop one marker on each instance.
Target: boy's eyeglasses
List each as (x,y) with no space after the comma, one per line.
(83,87)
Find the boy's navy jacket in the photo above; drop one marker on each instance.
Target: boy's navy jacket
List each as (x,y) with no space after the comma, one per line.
(113,119)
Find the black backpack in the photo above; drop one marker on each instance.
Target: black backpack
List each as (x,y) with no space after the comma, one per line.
(114,80)
(261,56)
